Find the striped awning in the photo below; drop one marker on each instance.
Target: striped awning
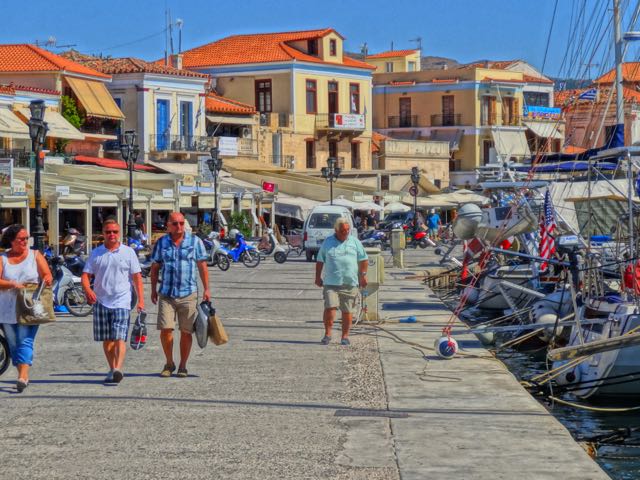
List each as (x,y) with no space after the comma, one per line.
(11,126)
(95,98)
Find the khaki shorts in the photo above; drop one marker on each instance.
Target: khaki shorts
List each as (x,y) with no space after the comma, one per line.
(184,308)
(340,296)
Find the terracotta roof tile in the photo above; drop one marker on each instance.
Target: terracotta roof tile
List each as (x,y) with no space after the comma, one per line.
(26,88)
(400,83)
(214,103)
(7,90)
(445,80)
(566,98)
(114,66)
(391,53)
(29,58)
(502,80)
(499,65)
(259,48)
(630,73)
(532,79)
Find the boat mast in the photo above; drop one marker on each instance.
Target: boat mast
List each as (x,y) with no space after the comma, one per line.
(618,136)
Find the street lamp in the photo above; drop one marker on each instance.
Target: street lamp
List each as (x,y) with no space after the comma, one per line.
(415,178)
(38,132)
(129,151)
(331,173)
(215,165)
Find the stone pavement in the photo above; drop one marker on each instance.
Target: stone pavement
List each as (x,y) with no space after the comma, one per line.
(274,404)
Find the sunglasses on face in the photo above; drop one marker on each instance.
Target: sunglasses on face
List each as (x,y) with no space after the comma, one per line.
(22,239)
(112,232)
(177,223)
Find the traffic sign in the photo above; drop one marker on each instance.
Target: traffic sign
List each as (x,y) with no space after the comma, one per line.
(413,191)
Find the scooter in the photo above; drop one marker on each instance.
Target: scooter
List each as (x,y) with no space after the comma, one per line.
(418,238)
(374,238)
(275,249)
(242,252)
(67,289)
(73,242)
(216,256)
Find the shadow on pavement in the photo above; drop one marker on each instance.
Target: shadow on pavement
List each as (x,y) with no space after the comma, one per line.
(294,342)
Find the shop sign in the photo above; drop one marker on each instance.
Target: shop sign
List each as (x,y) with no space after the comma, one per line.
(6,173)
(167,193)
(348,121)
(228,146)
(542,113)
(269,187)
(63,190)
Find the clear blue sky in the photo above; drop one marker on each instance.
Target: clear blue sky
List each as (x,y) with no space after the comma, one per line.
(464,30)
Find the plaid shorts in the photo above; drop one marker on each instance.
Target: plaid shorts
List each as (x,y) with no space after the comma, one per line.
(110,323)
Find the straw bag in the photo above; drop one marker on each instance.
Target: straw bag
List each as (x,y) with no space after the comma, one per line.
(215,329)
(34,304)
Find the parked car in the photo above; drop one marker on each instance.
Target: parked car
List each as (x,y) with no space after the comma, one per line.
(319,225)
(403,218)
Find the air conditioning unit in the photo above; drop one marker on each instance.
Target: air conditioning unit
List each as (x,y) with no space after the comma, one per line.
(245,132)
(264,119)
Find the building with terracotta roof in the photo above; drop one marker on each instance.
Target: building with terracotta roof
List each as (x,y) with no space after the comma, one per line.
(395,61)
(479,111)
(313,100)
(163,104)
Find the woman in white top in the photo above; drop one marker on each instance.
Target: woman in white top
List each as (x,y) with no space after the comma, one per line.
(19,265)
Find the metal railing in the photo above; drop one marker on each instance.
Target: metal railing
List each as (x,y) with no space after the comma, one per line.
(495,119)
(446,120)
(21,156)
(284,161)
(402,121)
(100,129)
(180,143)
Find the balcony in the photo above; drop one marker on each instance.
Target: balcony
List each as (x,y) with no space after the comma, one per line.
(446,120)
(340,121)
(494,119)
(402,121)
(180,143)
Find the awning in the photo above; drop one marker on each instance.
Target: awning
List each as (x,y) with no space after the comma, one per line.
(113,163)
(510,143)
(294,207)
(95,98)
(11,126)
(453,136)
(230,120)
(59,127)
(544,129)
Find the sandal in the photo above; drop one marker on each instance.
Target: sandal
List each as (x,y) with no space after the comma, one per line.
(182,373)
(167,370)
(21,385)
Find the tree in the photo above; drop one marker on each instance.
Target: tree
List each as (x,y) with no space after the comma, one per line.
(242,222)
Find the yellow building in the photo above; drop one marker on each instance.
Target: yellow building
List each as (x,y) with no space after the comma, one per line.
(314,102)
(395,61)
(477,110)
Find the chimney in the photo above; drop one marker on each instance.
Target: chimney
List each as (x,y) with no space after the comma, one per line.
(445,66)
(176,61)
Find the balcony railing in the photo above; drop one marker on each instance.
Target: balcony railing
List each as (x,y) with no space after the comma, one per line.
(402,121)
(180,143)
(21,156)
(506,120)
(446,120)
(100,129)
(340,121)
(284,161)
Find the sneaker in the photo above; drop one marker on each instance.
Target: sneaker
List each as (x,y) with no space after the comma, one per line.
(109,377)
(345,341)
(167,370)
(21,385)
(182,373)
(117,376)
(326,340)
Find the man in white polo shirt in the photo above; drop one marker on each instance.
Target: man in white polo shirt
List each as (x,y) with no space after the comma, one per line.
(115,267)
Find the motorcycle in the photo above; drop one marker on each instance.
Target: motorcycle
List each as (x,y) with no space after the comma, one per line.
(274,248)
(216,256)
(242,252)
(417,238)
(374,238)
(73,242)
(67,289)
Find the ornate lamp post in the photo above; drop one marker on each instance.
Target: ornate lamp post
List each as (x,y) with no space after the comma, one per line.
(38,132)
(331,173)
(415,178)
(129,151)
(215,165)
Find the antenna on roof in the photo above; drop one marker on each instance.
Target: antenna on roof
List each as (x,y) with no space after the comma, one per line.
(170,32)
(418,41)
(166,36)
(364,49)
(392,45)
(52,42)
(179,23)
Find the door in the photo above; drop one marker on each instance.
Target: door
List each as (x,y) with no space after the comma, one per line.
(162,124)
(355,156)
(186,124)
(333,149)
(487,145)
(405,112)
(448,111)
(332,101)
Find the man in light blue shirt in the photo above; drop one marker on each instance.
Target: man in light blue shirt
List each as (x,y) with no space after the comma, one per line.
(341,269)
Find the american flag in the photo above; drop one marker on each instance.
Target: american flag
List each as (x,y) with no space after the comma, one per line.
(547,227)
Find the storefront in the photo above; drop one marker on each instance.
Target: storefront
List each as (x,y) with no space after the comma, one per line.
(14,209)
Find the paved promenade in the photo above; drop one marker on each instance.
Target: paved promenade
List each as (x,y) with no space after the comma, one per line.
(274,404)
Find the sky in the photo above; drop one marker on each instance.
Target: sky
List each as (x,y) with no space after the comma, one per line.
(465,30)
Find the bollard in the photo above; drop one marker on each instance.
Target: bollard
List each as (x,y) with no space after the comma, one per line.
(398,244)
(375,276)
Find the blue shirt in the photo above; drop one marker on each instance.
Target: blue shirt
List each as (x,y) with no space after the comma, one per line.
(112,271)
(434,220)
(341,260)
(179,264)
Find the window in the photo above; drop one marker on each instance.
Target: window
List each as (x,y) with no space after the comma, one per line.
(312,46)
(354,98)
(536,99)
(355,156)
(488,110)
(333,48)
(411,67)
(448,111)
(186,120)
(404,108)
(311,154)
(263,95)
(312,96)
(384,182)
(333,149)
(487,145)
(388,67)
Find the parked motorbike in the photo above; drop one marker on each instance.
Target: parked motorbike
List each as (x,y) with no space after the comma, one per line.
(374,238)
(241,252)
(417,238)
(278,251)
(67,289)
(73,243)
(215,254)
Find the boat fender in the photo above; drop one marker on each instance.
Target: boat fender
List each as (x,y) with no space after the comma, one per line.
(446,347)
(567,378)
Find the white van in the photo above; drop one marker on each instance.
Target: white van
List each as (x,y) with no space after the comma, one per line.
(319,225)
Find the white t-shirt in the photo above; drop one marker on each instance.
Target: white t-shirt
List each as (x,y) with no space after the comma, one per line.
(112,271)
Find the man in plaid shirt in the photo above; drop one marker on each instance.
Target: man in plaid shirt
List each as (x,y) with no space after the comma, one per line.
(180,254)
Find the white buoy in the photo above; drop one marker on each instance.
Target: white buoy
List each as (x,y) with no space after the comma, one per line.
(446,347)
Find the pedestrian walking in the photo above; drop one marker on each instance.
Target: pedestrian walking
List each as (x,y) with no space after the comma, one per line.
(340,270)
(19,266)
(434,223)
(180,254)
(114,267)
